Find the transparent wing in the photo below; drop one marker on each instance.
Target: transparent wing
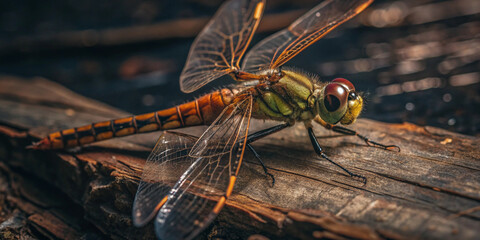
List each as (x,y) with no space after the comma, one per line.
(165,165)
(217,50)
(279,48)
(201,192)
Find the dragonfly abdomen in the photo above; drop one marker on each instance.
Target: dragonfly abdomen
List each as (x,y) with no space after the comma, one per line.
(201,111)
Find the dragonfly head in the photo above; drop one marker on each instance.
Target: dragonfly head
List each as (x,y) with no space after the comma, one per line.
(339,102)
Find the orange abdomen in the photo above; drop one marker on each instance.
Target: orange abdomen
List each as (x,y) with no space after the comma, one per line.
(202,111)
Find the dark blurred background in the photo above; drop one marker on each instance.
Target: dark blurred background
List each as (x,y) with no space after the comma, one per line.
(416,60)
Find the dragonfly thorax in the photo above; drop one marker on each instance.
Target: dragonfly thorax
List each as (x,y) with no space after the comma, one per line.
(298,96)
(289,97)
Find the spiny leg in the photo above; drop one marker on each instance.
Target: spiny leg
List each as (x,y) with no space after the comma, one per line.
(260,134)
(346,131)
(318,149)
(261,162)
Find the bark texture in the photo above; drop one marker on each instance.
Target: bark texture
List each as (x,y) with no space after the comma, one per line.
(431,189)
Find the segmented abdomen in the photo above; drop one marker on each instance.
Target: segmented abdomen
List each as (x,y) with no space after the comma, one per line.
(202,111)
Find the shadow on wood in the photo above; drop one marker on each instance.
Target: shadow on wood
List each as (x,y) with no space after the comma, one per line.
(425,191)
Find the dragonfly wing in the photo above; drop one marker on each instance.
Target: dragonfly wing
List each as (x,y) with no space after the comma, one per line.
(169,156)
(279,48)
(201,192)
(217,50)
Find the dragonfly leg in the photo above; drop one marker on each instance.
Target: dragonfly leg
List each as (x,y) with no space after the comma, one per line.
(257,156)
(265,132)
(346,131)
(318,149)
(260,134)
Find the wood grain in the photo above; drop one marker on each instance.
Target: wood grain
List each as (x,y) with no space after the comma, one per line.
(424,191)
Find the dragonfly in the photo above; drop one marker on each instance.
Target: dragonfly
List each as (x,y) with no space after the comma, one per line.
(186,180)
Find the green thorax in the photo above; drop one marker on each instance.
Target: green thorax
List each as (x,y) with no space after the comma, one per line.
(289,99)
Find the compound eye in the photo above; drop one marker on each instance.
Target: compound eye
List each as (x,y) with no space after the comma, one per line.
(352,96)
(347,83)
(335,97)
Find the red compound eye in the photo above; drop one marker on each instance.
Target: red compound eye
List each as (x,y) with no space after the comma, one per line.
(347,83)
(335,96)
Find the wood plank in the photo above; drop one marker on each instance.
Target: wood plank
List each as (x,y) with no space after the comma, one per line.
(418,192)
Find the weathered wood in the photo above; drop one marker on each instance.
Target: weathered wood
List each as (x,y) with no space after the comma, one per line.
(425,191)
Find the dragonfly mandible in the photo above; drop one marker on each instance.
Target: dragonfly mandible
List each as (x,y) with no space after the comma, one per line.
(186,204)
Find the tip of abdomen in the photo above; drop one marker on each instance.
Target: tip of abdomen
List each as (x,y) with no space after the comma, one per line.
(41,145)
